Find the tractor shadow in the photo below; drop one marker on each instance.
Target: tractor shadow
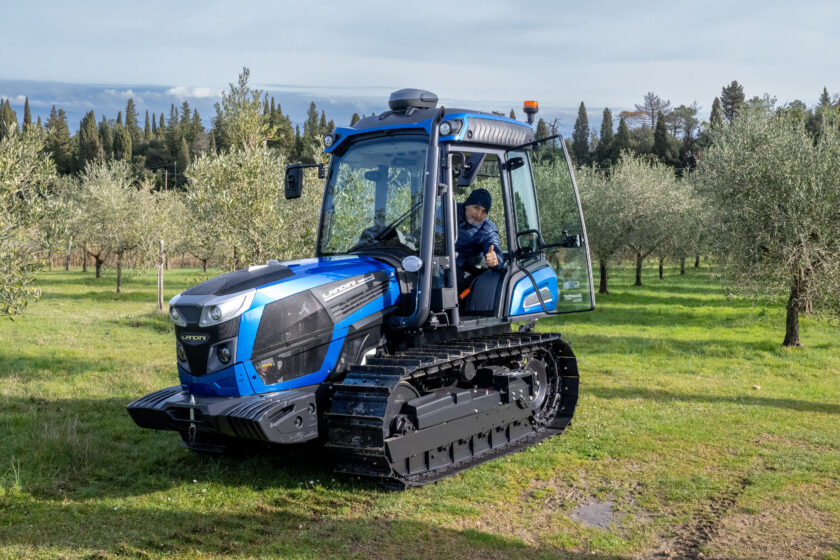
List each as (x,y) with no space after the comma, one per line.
(275,528)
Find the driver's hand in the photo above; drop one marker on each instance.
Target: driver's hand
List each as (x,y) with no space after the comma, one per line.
(491,258)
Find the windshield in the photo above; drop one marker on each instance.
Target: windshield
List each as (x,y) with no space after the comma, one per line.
(375,196)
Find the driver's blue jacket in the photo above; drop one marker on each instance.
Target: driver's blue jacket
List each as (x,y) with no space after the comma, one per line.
(475,241)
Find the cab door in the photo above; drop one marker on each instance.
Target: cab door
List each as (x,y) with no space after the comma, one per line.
(551,244)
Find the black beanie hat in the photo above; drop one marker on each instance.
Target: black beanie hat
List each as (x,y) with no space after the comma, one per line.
(480,197)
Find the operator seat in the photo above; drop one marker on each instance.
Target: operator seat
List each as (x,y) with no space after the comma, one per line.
(485,293)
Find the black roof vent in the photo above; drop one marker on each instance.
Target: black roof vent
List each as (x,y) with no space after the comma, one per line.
(406,99)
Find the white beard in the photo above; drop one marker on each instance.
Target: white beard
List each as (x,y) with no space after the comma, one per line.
(474,222)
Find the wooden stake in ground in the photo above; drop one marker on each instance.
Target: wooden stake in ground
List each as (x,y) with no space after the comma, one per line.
(161,259)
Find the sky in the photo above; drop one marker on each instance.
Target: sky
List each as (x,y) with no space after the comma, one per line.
(349,55)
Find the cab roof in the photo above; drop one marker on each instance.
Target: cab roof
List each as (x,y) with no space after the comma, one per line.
(475,127)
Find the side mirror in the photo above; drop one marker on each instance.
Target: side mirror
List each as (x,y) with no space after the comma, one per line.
(529,241)
(571,241)
(294,181)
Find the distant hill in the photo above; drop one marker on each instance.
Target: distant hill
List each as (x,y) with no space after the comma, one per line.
(339,104)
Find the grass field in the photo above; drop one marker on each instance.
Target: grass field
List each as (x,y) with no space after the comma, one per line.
(697,434)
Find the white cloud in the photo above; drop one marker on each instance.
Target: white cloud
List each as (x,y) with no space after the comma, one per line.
(125,94)
(182,92)
(18,100)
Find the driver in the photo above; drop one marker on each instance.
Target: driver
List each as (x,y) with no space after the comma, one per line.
(477,236)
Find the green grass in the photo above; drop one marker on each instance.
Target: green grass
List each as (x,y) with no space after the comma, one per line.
(670,427)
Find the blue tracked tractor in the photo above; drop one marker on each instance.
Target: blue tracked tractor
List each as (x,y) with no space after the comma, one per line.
(371,347)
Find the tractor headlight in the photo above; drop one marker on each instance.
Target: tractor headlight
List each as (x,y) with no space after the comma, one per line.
(176,316)
(225,308)
(450,127)
(224,354)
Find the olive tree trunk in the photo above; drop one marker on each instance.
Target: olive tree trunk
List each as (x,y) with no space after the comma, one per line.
(661,267)
(602,267)
(794,304)
(682,266)
(119,270)
(99,262)
(639,261)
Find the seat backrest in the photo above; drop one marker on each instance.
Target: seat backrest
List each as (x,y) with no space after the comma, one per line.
(484,296)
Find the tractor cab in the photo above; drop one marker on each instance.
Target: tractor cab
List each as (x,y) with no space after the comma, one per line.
(393,190)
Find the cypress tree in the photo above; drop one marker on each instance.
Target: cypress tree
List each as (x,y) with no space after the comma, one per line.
(732,100)
(147,129)
(605,142)
(58,143)
(354,119)
(580,137)
(825,99)
(284,137)
(716,118)
(184,126)
(196,127)
(40,127)
(122,144)
(183,160)
(542,130)
(660,139)
(8,119)
(172,132)
(512,114)
(212,148)
(107,138)
(154,124)
(161,129)
(90,148)
(622,140)
(119,118)
(27,116)
(131,123)
(322,124)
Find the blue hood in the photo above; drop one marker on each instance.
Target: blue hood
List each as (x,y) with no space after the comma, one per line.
(297,286)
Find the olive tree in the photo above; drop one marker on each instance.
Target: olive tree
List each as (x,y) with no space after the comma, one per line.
(120,216)
(26,173)
(635,207)
(776,196)
(603,206)
(236,201)
(655,202)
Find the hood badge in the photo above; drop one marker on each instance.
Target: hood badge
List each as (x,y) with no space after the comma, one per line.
(194,339)
(346,287)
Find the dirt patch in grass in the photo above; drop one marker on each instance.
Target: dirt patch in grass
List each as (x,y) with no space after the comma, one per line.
(781,530)
(547,507)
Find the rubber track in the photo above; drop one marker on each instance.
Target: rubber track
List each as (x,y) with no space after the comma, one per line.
(356,421)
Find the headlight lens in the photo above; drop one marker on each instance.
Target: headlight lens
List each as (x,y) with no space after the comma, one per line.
(176,316)
(224,354)
(445,129)
(226,308)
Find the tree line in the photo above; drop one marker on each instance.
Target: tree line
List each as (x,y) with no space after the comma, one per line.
(757,187)
(164,146)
